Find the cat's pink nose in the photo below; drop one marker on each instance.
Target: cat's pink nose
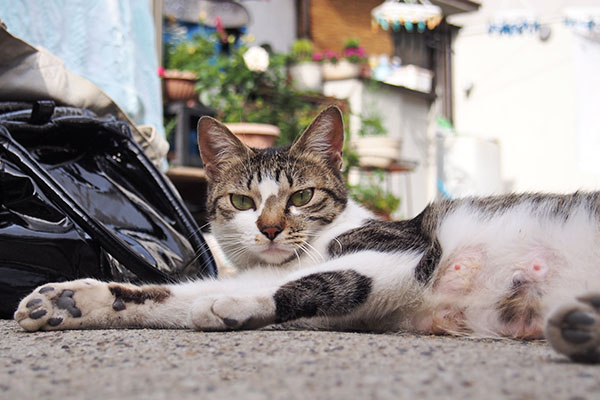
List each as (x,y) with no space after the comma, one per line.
(271,231)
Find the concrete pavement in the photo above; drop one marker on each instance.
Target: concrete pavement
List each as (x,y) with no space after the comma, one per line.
(276,364)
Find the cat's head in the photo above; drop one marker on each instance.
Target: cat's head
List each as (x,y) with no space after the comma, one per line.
(267,206)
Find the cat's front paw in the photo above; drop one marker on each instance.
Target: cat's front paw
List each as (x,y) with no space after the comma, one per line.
(57,306)
(228,313)
(574,329)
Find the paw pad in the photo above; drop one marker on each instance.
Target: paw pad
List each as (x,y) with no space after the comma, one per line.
(65,301)
(574,330)
(37,314)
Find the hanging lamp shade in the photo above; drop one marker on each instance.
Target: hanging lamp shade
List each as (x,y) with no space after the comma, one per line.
(410,15)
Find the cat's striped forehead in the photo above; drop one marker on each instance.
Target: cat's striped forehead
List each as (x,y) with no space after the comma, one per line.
(270,166)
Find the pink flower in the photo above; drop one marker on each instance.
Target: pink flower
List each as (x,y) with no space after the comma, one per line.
(219,25)
(331,56)
(317,56)
(160,71)
(355,51)
(220,29)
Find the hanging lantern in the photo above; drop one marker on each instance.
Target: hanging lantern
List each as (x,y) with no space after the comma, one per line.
(412,15)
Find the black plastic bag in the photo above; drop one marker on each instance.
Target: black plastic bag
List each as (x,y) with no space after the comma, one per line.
(79,198)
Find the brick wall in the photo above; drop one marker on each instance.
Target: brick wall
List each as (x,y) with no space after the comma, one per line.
(334,21)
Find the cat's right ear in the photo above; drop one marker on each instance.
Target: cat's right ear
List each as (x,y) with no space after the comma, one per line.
(324,137)
(218,145)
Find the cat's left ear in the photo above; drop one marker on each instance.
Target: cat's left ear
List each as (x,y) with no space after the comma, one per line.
(324,136)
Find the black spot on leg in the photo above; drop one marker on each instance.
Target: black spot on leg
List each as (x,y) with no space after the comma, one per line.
(332,293)
(139,295)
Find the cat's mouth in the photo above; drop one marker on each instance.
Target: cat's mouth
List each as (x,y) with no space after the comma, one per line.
(275,253)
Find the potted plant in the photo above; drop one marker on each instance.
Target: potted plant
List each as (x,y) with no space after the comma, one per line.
(305,66)
(178,85)
(374,147)
(374,198)
(349,65)
(245,84)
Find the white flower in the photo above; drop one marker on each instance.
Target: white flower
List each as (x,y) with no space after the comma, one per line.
(256,59)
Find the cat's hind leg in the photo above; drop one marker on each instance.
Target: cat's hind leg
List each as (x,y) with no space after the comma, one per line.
(574,329)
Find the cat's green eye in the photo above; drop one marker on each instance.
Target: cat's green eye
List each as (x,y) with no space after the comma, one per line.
(242,202)
(302,197)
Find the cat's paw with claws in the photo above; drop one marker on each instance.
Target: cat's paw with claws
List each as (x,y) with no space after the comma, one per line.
(230,313)
(574,329)
(64,305)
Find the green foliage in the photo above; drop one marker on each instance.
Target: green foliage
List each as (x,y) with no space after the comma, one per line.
(302,50)
(238,94)
(190,55)
(374,198)
(170,127)
(371,124)
(351,43)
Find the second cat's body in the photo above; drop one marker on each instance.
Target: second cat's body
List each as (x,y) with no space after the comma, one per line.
(494,266)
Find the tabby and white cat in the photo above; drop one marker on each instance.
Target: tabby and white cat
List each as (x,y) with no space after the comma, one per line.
(494,266)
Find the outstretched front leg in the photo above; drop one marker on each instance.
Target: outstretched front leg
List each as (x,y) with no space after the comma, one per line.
(88,303)
(345,293)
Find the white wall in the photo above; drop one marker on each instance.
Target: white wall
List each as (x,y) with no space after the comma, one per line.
(273,22)
(532,96)
(404,115)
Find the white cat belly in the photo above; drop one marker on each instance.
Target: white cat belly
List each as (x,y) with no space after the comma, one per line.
(546,260)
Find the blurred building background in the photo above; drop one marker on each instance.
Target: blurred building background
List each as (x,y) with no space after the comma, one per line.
(409,111)
(537,92)
(495,96)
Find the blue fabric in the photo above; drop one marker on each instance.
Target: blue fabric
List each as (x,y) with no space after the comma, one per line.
(109,42)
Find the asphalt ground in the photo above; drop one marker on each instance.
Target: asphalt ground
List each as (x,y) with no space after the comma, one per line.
(279,364)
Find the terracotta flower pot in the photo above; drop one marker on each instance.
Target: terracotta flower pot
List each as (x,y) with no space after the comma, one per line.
(179,85)
(259,136)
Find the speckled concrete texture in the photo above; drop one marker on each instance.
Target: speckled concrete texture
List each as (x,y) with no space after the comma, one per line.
(277,364)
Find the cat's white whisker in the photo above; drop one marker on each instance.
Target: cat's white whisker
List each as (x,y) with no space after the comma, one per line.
(298,257)
(309,254)
(322,259)
(198,230)
(339,244)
